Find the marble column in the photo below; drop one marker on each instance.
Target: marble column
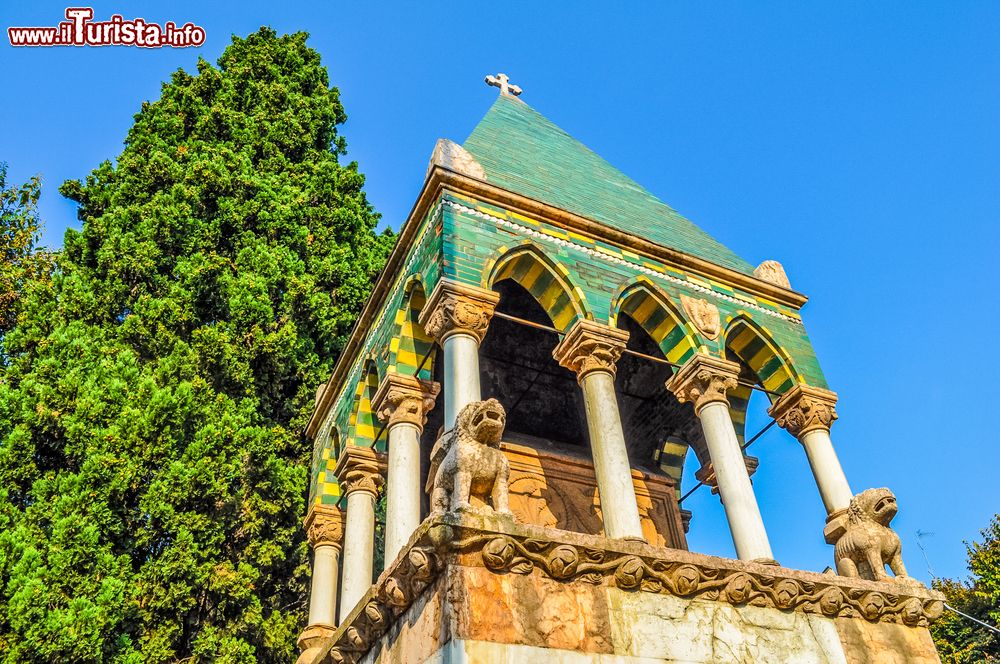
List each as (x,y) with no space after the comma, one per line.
(360,475)
(457,316)
(591,350)
(402,403)
(807,413)
(324,529)
(704,381)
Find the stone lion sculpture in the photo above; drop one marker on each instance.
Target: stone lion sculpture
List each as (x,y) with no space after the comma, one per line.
(868,544)
(469,461)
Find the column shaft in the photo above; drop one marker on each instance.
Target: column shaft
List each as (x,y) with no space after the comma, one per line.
(359,536)
(402,488)
(737,495)
(611,464)
(830,478)
(461,374)
(323,590)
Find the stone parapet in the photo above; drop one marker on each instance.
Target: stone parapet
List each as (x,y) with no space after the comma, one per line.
(444,577)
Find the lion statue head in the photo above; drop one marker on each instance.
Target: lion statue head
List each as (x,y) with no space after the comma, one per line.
(878,505)
(484,421)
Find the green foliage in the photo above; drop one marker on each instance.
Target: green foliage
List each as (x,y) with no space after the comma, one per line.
(152,467)
(21,263)
(960,640)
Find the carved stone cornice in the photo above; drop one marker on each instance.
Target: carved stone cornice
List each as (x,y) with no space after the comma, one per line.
(460,541)
(360,469)
(804,408)
(406,399)
(455,308)
(704,379)
(324,526)
(590,346)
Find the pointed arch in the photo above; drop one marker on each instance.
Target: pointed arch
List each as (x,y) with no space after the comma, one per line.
(752,345)
(410,343)
(362,425)
(547,281)
(652,309)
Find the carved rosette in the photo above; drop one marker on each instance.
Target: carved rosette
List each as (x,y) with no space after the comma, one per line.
(704,379)
(455,308)
(405,399)
(590,346)
(360,469)
(803,409)
(324,526)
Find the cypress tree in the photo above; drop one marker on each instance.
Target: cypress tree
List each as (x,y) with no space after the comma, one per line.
(153,470)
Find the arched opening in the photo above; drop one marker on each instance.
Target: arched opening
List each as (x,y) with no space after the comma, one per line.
(412,349)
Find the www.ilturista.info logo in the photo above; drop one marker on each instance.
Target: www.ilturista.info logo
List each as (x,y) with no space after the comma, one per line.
(80,30)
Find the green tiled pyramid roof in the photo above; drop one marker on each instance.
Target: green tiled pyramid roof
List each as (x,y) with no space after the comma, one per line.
(525,153)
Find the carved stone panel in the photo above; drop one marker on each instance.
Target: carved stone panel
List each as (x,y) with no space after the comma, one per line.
(556,490)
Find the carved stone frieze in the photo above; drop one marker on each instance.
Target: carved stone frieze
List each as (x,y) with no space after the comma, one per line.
(704,379)
(465,540)
(360,469)
(773,273)
(803,409)
(455,308)
(704,315)
(590,346)
(324,526)
(406,399)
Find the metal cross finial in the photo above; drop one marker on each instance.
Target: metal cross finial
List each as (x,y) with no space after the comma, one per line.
(506,88)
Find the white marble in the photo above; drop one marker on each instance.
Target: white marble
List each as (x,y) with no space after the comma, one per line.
(611,464)
(402,514)
(323,590)
(359,536)
(830,478)
(461,374)
(742,512)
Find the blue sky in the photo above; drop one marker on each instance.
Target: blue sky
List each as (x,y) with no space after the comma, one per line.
(857,143)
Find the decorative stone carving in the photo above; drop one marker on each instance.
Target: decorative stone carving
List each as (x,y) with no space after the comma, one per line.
(462,542)
(868,544)
(405,399)
(324,526)
(360,469)
(706,473)
(704,315)
(451,155)
(311,640)
(703,380)
(469,461)
(803,409)
(773,273)
(590,346)
(456,308)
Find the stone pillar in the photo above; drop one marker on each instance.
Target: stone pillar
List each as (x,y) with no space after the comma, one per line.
(807,413)
(324,529)
(457,316)
(359,473)
(704,380)
(402,403)
(590,350)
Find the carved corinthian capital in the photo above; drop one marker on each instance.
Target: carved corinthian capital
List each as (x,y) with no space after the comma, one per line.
(456,308)
(803,409)
(360,469)
(324,526)
(406,399)
(704,379)
(590,346)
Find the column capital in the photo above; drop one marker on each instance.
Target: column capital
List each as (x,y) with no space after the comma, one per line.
(405,399)
(804,408)
(590,346)
(360,469)
(455,308)
(324,525)
(704,379)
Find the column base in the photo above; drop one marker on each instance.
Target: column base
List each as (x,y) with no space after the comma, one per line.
(311,642)
(765,561)
(836,525)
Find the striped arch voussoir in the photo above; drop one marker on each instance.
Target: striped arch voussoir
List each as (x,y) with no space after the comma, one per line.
(652,309)
(754,346)
(547,281)
(410,343)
